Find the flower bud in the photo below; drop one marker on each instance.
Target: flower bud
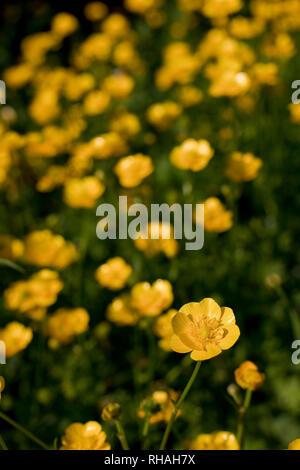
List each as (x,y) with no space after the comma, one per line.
(111,411)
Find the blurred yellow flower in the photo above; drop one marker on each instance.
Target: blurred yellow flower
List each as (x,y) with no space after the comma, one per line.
(204,329)
(243,166)
(295,113)
(151,300)
(116,26)
(17,76)
(126,124)
(163,329)
(216,217)
(96,102)
(141,6)
(95,11)
(164,400)
(133,169)
(44,248)
(10,247)
(218,440)
(45,107)
(248,377)
(83,192)
(118,86)
(192,155)
(219,8)
(32,297)
(64,324)
(114,273)
(16,337)
(190,96)
(294,445)
(2,385)
(162,115)
(111,411)
(88,436)
(63,24)
(121,311)
(157,240)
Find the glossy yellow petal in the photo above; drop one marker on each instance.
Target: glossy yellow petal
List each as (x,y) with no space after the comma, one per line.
(210,308)
(191,309)
(177,345)
(230,338)
(227,316)
(185,328)
(212,350)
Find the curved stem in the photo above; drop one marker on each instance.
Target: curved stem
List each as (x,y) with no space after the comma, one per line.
(178,405)
(2,443)
(241,417)
(121,435)
(24,431)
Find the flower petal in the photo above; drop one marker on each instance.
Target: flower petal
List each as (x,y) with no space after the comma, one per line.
(185,328)
(231,337)
(210,308)
(177,345)
(212,350)
(227,316)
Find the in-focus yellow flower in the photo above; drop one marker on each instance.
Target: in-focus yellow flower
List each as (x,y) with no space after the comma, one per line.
(16,337)
(88,436)
(10,247)
(294,445)
(218,440)
(121,311)
(192,155)
(83,192)
(32,297)
(159,238)
(63,24)
(243,166)
(164,400)
(114,273)
(151,300)
(248,377)
(162,115)
(216,217)
(95,11)
(2,385)
(133,169)
(65,324)
(164,330)
(204,328)
(44,248)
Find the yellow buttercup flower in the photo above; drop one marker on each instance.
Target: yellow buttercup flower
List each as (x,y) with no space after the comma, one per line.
(18,75)
(121,311)
(118,86)
(133,169)
(32,297)
(55,176)
(65,324)
(164,330)
(219,8)
(162,115)
(141,7)
(192,155)
(2,385)
(45,106)
(83,192)
(204,329)
(111,411)
(163,399)
(96,102)
(230,83)
(44,248)
(216,217)
(116,26)
(10,247)
(243,166)
(294,445)
(16,337)
(114,273)
(63,24)
(107,145)
(159,238)
(151,300)
(95,11)
(248,377)
(218,440)
(88,436)
(190,96)
(126,124)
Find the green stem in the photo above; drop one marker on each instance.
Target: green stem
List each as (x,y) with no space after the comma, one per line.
(241,417)
(293,316)
(178,405)
(121,435)
(146,430)
(2,443)
(23,431)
